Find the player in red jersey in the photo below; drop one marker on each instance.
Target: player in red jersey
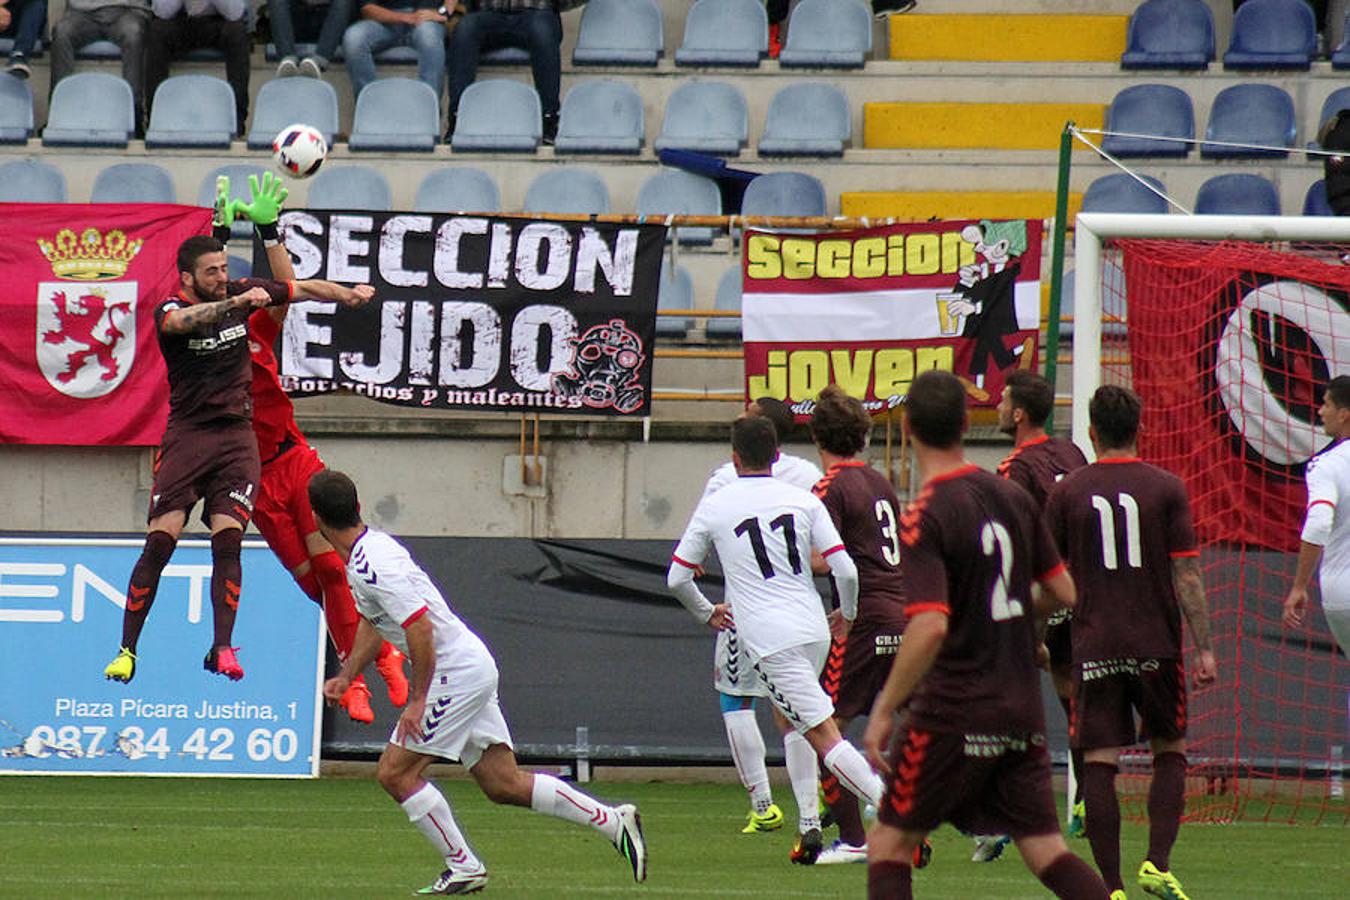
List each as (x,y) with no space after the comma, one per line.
(282,512)
(1039,461)
(1124,527)
(972,749)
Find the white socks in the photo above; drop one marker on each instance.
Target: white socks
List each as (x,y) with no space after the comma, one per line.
(747,752)
(429,811)
(803,773)
(853,772)
(553,797)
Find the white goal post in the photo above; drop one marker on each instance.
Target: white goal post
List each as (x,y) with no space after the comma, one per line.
(1093,229)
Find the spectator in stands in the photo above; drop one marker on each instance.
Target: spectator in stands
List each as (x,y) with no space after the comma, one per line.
(419,24)
(777,11)
(319,21)
(532,25)
(883,8)
(124,22)
(22,20)
(179,26)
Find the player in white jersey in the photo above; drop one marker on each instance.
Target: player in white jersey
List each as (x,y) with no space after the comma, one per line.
(764,531)
(736,684)
(452,710)
(1326,526)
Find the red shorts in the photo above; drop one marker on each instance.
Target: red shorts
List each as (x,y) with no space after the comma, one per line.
(1106,700)
(217,464)
(857,667)
(982,784)
(283,514)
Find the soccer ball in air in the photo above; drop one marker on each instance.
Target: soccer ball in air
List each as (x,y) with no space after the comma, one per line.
(299,150)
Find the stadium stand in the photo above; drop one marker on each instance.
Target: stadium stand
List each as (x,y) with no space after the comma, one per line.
(728,299)
(91,109)
(285,101)
(192,111)
(676,291)
(1272,34)
(350,187)
(601,116)
(133,183)
(1250,114)
(16,110)
(806,118)
(1170,34)
(724,33)
(240,267)
(1237,194)
(458,189)
(620,33)
(785,194)
(1315,202)
(563,189)
(1120,193)
(394,114)
(828,34)
(497,114)
(1152,109)
(707,116)
(674,192)
(31,181)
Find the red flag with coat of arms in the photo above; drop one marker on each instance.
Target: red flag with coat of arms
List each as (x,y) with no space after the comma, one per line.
(78,352)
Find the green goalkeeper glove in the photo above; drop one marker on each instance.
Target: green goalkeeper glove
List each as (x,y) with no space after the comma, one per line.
(224,208)
(265,205)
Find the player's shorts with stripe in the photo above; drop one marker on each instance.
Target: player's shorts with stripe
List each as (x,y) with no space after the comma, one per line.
(791,679)
(1058,638)
(1108,693)
(217,463)
(982,784)
(857,667)
(733,670)
(463,717)
(282,513)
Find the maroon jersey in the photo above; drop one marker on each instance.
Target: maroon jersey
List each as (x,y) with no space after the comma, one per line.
(971,545)
(1040,462)
(866,511)
(209,371)
(1120,523)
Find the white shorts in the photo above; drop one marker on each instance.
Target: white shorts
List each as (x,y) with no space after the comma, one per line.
(732,671)
(791,678)
(463,717)
(1339,622)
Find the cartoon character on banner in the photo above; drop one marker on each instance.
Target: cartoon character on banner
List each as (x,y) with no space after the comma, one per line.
(606,362)
(984,303)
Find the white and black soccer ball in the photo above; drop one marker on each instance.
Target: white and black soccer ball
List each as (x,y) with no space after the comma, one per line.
(299,150)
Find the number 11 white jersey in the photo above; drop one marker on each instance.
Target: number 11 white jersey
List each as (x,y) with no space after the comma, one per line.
(764,530)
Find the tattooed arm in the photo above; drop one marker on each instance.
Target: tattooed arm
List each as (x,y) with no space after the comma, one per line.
(1190,586)
(190,318)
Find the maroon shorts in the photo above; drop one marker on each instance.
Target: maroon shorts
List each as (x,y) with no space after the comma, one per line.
(982,784)
(857,667)
(1057,636)
(217,463)
(283,514)
(1108,694)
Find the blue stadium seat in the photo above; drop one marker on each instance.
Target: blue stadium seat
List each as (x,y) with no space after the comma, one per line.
(784,194)
(133,183)
(1170,34)
(1250,114)
(458,189)
(240,267)
(807,118)
(561,189)
(828,34)
(1340,56)
(349,188)
(90,109)
(238,175)
(1156,109)
(394,114)
(1120,193)
(497,114)
(16,110)
(31,181)
(286,101)
(675,192)
(1315,202)
(1272,34)
(728,300)
(7,44)
(192,111)
(675,291)
(708,116)
(99,50)
(1237,195)
(724,33)
(620,33)
(1338,100)
(601,116)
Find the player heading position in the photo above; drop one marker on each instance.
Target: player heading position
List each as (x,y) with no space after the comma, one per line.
(1038,462)
(736,683)
(1124,527)
(452,710)
(972,751)
(764,531)
(1326,525)
(208,451)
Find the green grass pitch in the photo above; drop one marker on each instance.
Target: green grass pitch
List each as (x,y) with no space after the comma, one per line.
(343,837)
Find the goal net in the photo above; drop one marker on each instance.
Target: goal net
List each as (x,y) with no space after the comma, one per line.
(1227,328)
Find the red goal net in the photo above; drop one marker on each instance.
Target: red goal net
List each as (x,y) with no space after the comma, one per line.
(1228,345)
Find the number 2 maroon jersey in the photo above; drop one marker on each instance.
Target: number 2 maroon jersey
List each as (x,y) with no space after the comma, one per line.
(970,547)
(864,508)
(1120,523)
(1040,463)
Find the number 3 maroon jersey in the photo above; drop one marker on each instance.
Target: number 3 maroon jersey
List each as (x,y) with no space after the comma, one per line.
(864,508)
(970,547)
(1120,523)
(1040,463)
